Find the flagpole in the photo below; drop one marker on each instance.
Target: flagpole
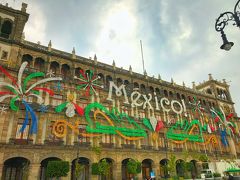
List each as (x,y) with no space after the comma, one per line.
(142,56)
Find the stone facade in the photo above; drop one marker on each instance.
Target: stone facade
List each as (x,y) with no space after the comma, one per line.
(35,148)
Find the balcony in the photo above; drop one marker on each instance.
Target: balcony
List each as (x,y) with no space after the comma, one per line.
(128,146)
(82,144)
(162,148)
(146,147)
(178,149)
(107,145)
(54,142)
(21,141)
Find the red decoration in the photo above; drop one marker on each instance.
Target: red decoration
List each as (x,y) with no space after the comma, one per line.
(79,110)
(49,91)
(159,126)
(8,75)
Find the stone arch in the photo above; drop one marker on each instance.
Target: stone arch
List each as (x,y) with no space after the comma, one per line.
(27,58)
(165,92)
(151,89)
(194,168)
(178,96)
(126,82)
(6,28)
(65,71)
(39,64)
(77,72)
(157,90)
(183,97)
(15,168)
(147,165)
(101,78)
(135,85)
(85,173)
(143,88)
(54,67)
(112,167)
(119,81)
(43,166)
(108,79)
(163,168)
(209,91)
(125,174)
(180,168)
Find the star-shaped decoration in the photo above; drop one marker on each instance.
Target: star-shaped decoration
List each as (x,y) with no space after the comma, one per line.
(58,86)
(50,73)
(196,106)
(88,82)
(3,109)
(43,108)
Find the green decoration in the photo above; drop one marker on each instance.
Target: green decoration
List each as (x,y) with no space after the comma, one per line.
(60,107)
(57,169)
(31,76)
(12,90)
(185,127)
(147,123)
(12,103)
(116,118)
(35,92)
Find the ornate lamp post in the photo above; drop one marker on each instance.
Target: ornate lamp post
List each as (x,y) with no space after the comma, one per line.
(166,151)
(223,20)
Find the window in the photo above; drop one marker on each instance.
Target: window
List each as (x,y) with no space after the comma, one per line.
(4,55)
(24,134)
(6,29)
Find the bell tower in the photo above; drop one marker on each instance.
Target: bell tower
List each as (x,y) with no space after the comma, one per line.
(12,22)
(220,90)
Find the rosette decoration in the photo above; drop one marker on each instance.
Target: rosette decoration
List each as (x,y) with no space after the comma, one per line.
(71,107)
(88,82)
(20,90)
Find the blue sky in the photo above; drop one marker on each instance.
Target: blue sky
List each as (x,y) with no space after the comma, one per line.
(179,38)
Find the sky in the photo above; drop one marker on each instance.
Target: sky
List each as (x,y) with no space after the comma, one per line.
(178,36)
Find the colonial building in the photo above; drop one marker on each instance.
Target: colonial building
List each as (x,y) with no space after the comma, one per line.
(56,105)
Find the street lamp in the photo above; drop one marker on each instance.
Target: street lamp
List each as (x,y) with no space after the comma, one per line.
(166,151)
(222,21)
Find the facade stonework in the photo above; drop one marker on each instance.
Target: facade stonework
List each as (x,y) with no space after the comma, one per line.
(36,149)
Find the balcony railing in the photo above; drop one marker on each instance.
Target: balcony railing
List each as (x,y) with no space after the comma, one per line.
(54,142)
(146,147)
(128,146)
(107,145)
(21,141)
(82,144)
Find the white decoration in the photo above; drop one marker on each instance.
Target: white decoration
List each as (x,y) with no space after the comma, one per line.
(70,111)
(153,122)
(173,108)
(3,109)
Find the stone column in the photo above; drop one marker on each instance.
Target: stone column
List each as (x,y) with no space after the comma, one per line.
(68,177)
(156,171)
(34,171)
(1,170)
(139,176)
(117,171)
